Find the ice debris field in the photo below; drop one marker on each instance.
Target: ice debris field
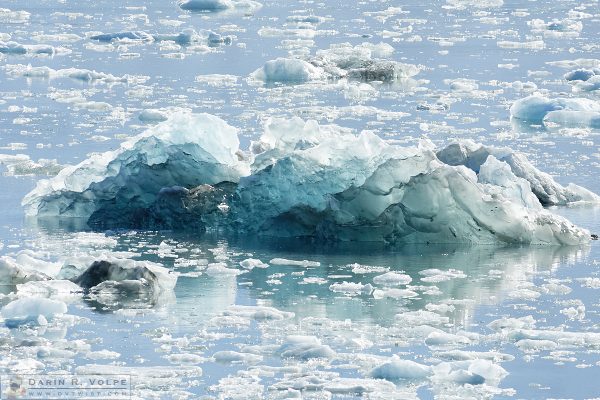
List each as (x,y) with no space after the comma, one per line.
(233,199)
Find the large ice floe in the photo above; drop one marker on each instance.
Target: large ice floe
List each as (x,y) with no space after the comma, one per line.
(302,179)
(537,109)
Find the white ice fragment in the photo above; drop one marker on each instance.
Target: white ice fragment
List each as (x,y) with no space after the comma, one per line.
(287,70)
(351,288)
(304,348)
(295,263)
(251,263)
(397,369)
(392,278)
(27,310)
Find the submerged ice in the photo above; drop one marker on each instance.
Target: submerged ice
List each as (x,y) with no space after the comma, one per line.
(308,180)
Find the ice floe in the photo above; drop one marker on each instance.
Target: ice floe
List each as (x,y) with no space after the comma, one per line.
(562,111)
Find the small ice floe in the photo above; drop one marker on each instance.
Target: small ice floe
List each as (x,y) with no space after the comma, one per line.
(566,28)
(9,16)
(56,289)
(560,111)
(211,6)
(397,369)
(287,70)
(113,280)
(365,62)
(258,313)
(530,45)
(14,48)
(84,75)
(351,288)
(584,80)
(23,165)
(251,263)
(435,275)
(304,348)
(36,310)
(392,278)
(139,36)
(295,263)
(153,115)
(394,293)
(229,357)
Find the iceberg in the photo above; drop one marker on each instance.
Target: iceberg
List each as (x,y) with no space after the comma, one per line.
(302,179)
(537,109)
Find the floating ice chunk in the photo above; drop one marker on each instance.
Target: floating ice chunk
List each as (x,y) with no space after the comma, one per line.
(304,348)
(475,372)
(188,36)
(537,109)
(435,275)
(121,36)
(236,357)
(421,317)
(545,188)
(251,263)
(445,339)
(218,5)
(397,369)
(85,75)
(12,273)
(530,45)
(258,313)
(394,293)
(14,48)
(581,74)
(31,310)
(122,185)
(22,165)
(220,269)
(13,17)
(152,115)
(392,279)
(351,288)
(287,70)
(55,289)
(462,4)
(565,28)
(110,279)
(534,346)
(296,263)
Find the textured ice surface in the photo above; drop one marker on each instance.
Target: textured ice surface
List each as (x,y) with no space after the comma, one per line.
(119,187)
(287,70)
(498,166)
(309,180)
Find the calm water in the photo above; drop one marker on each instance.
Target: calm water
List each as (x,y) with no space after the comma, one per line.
(454,294)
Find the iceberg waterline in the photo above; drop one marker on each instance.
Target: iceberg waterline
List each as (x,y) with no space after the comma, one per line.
(302,179)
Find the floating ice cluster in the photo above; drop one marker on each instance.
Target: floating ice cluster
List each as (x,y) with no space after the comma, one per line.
(364,62)
(302,179)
